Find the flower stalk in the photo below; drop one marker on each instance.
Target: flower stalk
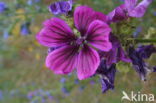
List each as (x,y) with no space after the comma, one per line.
(140,40)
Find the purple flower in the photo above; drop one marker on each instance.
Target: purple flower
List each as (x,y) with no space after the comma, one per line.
(25,28)
(116,54)
(76,51)
(107,75)
(146,51)
(129,9)
(137,56)
(61,7)
(138,63)
(3,7)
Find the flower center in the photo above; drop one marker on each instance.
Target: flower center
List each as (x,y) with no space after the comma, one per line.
(81,40)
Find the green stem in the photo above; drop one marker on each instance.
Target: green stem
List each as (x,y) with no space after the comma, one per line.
(139,40)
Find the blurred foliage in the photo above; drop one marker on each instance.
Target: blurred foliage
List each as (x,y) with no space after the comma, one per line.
(23,75)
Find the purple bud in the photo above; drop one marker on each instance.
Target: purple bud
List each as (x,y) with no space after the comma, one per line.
(55,8)
(65,6)
(61,7)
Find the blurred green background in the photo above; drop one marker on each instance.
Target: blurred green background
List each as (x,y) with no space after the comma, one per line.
(24,77)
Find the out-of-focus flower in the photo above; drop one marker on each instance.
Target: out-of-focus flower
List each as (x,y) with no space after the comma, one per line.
(31,2)
(61,7)
(76,51)
(107,74)
(116,54)
(50,97)
(76,81)
(14,92)
(65,91)
(3,7)
(92,82)
(30,95)
(137,31)
(1,95)
(25,28)
(63,80)
(137,56)
(5,34)
(129,9)
(154,13)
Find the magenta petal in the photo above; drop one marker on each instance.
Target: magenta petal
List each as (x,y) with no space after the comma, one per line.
(55,33)
(140,10)
(130,4)
(83,16)
(63,60)
(88,62)
(118,14)
(98,35)
(101,16)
